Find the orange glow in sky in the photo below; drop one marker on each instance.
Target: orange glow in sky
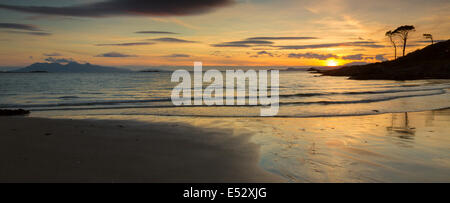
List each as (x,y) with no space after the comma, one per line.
(245,33)
(332,62)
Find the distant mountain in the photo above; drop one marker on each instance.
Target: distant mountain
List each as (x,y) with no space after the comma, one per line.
(431,62)
(150,71)
(72,67)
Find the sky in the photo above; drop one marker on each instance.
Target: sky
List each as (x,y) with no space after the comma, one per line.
(142,33)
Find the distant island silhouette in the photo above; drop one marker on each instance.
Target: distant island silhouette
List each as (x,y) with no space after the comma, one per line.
(431,62)
(150,71)
(71,67)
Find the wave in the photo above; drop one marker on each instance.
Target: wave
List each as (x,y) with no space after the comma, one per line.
(112,102)
(360,92)
(362,101)
(58,106)
(68,97)
(441,91)
(326,102)
(83,103)
(258,116)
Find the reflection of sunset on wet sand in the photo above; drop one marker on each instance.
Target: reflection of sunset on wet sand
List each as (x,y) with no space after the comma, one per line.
(378,148)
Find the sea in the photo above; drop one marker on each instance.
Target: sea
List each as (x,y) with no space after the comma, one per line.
(301,94)
(311,138)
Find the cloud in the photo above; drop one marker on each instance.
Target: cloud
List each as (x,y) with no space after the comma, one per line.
(52,54)
(216,53)
(280,38)
(155,32)
(30,33)
(356,57)
(265,53)
(19,26)
(244,43)
(230,45)
(25,29)
(429,41)
(59,60)
(381,57)
(127,44)
(219,53)
(356,63)
(126,7)
(263,49)
(178,56)
(312,56)
(370,44)
(172,40)
(353,57)
(252,42)
(115,54)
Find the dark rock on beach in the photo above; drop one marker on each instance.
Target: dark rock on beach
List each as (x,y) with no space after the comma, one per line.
(7,112)
(431,62)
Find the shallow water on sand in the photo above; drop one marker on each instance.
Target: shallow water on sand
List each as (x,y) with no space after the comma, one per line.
(394,147)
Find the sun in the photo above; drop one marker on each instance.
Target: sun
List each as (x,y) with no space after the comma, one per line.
(332,62)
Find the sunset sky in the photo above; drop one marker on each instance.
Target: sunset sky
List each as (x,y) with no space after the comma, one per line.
(141,33)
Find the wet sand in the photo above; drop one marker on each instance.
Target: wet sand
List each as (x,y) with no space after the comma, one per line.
(390,147)
(393,147)
(65,150)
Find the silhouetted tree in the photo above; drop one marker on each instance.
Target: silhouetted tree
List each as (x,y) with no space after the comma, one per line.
(429,36)
(390,34)
(403,32)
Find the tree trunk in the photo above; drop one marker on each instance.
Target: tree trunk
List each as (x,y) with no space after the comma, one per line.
(405,38)
(395,51)
(404,46)
(395,46)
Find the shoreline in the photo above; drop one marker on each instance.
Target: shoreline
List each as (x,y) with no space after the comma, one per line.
(204,150)
(375,112)
(65,150)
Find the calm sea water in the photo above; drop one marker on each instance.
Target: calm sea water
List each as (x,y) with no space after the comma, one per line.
(302,94)
(316,137)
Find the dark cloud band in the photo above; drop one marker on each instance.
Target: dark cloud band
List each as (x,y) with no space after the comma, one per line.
(127,44)
(178,56)
(52,54)
(172,40)
(244,43)
(353,57)
(312,56)
(19,26)
(30,33)
(281,38)
(127,7)
(318,46)
(115,55)
(155,32)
